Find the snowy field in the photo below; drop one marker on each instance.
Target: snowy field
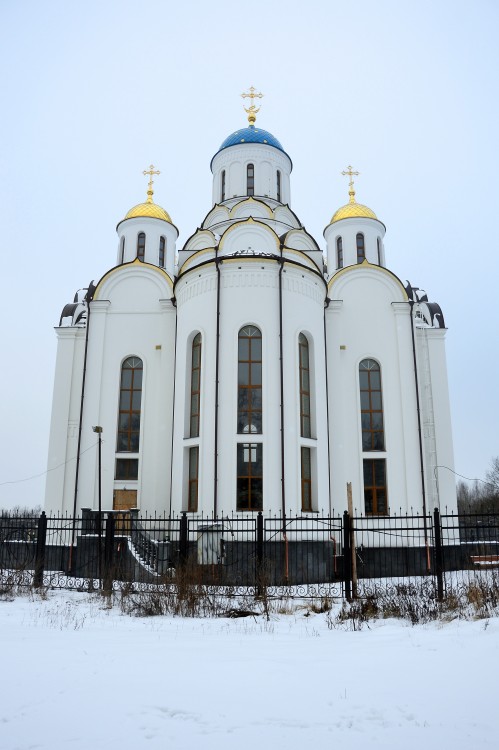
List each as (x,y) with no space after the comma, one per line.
(78,676)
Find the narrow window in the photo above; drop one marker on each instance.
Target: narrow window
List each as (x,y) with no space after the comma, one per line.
(130,406)
(222,191)
(379,251)
(141,246)
(339,252)
(306,479)
(371,406)
(162,245)
(249,476)
(122,249)
(278,186)
(192,500)
(127,468)
(250,179)
(375,494)
(249,387)
(195,386)
(361,249)
(304,386)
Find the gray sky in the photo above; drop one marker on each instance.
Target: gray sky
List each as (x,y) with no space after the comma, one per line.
(93,92)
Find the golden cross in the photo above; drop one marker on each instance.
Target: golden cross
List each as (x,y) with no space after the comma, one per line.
(349,171)
(150,172)
(252,109)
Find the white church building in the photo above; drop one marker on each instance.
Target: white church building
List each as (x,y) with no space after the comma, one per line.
(253,369)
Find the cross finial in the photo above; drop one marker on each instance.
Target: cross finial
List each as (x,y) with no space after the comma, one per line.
(252,109)
(349,171)
(150,172)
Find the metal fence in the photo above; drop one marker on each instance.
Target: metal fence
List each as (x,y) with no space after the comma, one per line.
(306,555)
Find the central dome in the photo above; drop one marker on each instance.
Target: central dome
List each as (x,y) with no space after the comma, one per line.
(251,134)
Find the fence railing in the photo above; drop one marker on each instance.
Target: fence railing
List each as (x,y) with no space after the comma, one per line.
(306,555)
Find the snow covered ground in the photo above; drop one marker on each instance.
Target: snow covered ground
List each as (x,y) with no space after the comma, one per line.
(76,675)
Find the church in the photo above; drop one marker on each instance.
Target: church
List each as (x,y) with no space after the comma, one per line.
(253,369)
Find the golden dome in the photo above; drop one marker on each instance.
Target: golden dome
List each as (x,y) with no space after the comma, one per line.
(148,209)
(353,210)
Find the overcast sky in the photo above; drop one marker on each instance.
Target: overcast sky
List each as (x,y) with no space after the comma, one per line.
(93,92)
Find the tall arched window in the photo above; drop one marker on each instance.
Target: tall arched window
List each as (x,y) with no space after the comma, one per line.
(339,252)
(373,437)
(162,246)
(371,406)
(122,252)
(305,430)
(195,386)
(250,179)
(249,387)
(222,188)
(278,176)
(379,251)
(141,246)
(130,406)
(361,248)
(249,419)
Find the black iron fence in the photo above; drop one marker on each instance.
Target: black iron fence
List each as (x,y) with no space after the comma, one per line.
(305,555)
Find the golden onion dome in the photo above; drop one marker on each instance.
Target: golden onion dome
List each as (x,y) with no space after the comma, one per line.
(148,209)
(353,210)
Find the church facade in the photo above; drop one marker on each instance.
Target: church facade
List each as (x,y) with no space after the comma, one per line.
(251,369)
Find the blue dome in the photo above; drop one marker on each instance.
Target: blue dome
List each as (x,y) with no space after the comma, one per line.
(251,135)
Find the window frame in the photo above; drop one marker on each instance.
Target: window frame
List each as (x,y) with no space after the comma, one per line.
(222,186)
(250,179)
(162,251)
(134,414)
(247,483)
(141,246)
(375,488)
(278,185)
(196,349)
(248,392)
(360,241)
(339,253)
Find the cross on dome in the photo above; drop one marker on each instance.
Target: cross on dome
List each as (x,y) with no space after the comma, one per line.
(349,171)
(150,172)
(252,109)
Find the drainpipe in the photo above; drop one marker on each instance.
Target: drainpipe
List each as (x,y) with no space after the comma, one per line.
(421,459)
(326,305)
(174,303)
(281,372)
(218,261)
(78,450)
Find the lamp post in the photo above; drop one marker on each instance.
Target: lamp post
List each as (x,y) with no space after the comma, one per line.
(98,430)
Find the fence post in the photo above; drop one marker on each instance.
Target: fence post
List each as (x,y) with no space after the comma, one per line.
(41,539)
(107,583)
(183,538)
(347,557)
(259,551)
(439,560)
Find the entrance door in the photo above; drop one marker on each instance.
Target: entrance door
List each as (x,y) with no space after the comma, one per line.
(123,500)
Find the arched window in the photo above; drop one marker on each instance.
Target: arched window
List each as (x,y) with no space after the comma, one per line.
(141,246)
(130,406)
(195,386)
(371,406)
(250,179)
(339,252)
(373,437)
(162,245)
(122,252)
(278,186)
(222,190)
(304,386)
(249,386)
(379,251)
(361,249)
